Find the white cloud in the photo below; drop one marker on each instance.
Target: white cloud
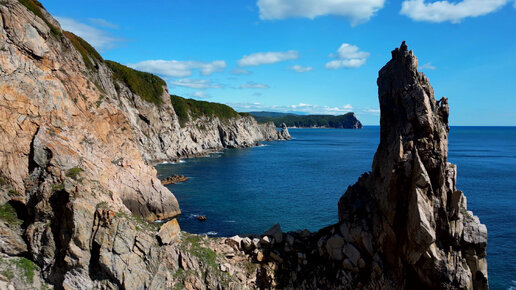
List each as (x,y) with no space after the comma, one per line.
(372,111)
(356,11)
(454,12)
(253,85)
(347,56)
(301,69)
(176,68)
(97,38)
(427,66)
(301,108)
(102,23)
(267,58)
(195,84)
(200,95)
(240,71)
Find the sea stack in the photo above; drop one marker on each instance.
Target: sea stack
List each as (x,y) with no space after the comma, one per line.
(423,232)
(404,225)
(284,132)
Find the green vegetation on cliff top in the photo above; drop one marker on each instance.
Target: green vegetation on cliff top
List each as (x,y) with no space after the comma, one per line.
(190,108)
(330,121)
(85,49)
(35,6)
(9,215)
(145,85)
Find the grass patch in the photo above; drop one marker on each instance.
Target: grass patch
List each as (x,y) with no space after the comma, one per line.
(74,173)
(28,267)
(148,86)
(58,187)
(197,248)
(88,53)
(190,109)
(35,6)
(2,182)
(13,192)
(9,215)
(102,205)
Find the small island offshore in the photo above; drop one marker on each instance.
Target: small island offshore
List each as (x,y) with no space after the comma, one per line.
(81,206)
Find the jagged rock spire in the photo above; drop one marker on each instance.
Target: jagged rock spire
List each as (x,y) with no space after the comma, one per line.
(418,217)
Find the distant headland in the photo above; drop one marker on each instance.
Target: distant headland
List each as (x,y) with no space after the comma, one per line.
(346,121)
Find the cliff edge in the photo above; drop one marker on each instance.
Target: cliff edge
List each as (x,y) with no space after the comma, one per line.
(78,196)
(78,136)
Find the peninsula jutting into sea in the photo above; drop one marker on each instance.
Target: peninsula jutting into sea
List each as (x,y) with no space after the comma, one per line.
(114,176)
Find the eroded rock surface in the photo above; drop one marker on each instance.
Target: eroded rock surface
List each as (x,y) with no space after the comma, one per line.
(74,140)
(78,195)
(402,226)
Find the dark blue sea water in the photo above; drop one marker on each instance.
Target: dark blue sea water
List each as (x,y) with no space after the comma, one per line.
(298,184)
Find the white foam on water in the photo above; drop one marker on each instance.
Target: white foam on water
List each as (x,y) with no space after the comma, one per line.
(211,233)
(230,221)
(171,162)
(512,286)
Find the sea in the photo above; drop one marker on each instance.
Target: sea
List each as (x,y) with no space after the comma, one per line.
(298,183)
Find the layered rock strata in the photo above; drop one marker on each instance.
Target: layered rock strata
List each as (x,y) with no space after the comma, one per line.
(76,145)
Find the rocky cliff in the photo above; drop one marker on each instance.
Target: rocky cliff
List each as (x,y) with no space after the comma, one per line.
(77,137)
(78,197)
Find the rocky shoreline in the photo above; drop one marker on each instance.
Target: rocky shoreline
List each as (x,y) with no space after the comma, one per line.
(78,197)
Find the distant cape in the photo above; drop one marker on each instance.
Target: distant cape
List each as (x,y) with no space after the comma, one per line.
(346,121)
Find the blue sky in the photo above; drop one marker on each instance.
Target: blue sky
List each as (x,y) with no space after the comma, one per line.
(313,56)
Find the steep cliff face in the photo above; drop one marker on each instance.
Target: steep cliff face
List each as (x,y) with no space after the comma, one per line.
(212,134)
(76,141)
(77,191)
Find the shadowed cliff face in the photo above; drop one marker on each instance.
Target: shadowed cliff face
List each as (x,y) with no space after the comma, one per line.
(418,218)
(402,226)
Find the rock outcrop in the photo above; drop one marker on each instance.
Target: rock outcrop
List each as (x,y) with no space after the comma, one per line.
(76,147)
(417,217)
(78,197)
(204,135)
(402,226)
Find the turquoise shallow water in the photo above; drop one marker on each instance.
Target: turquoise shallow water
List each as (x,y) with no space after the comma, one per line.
(298,184)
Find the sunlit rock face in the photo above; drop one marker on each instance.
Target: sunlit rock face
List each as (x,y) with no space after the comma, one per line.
(76,148)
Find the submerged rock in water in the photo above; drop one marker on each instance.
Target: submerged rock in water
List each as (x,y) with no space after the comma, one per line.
(174,179)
